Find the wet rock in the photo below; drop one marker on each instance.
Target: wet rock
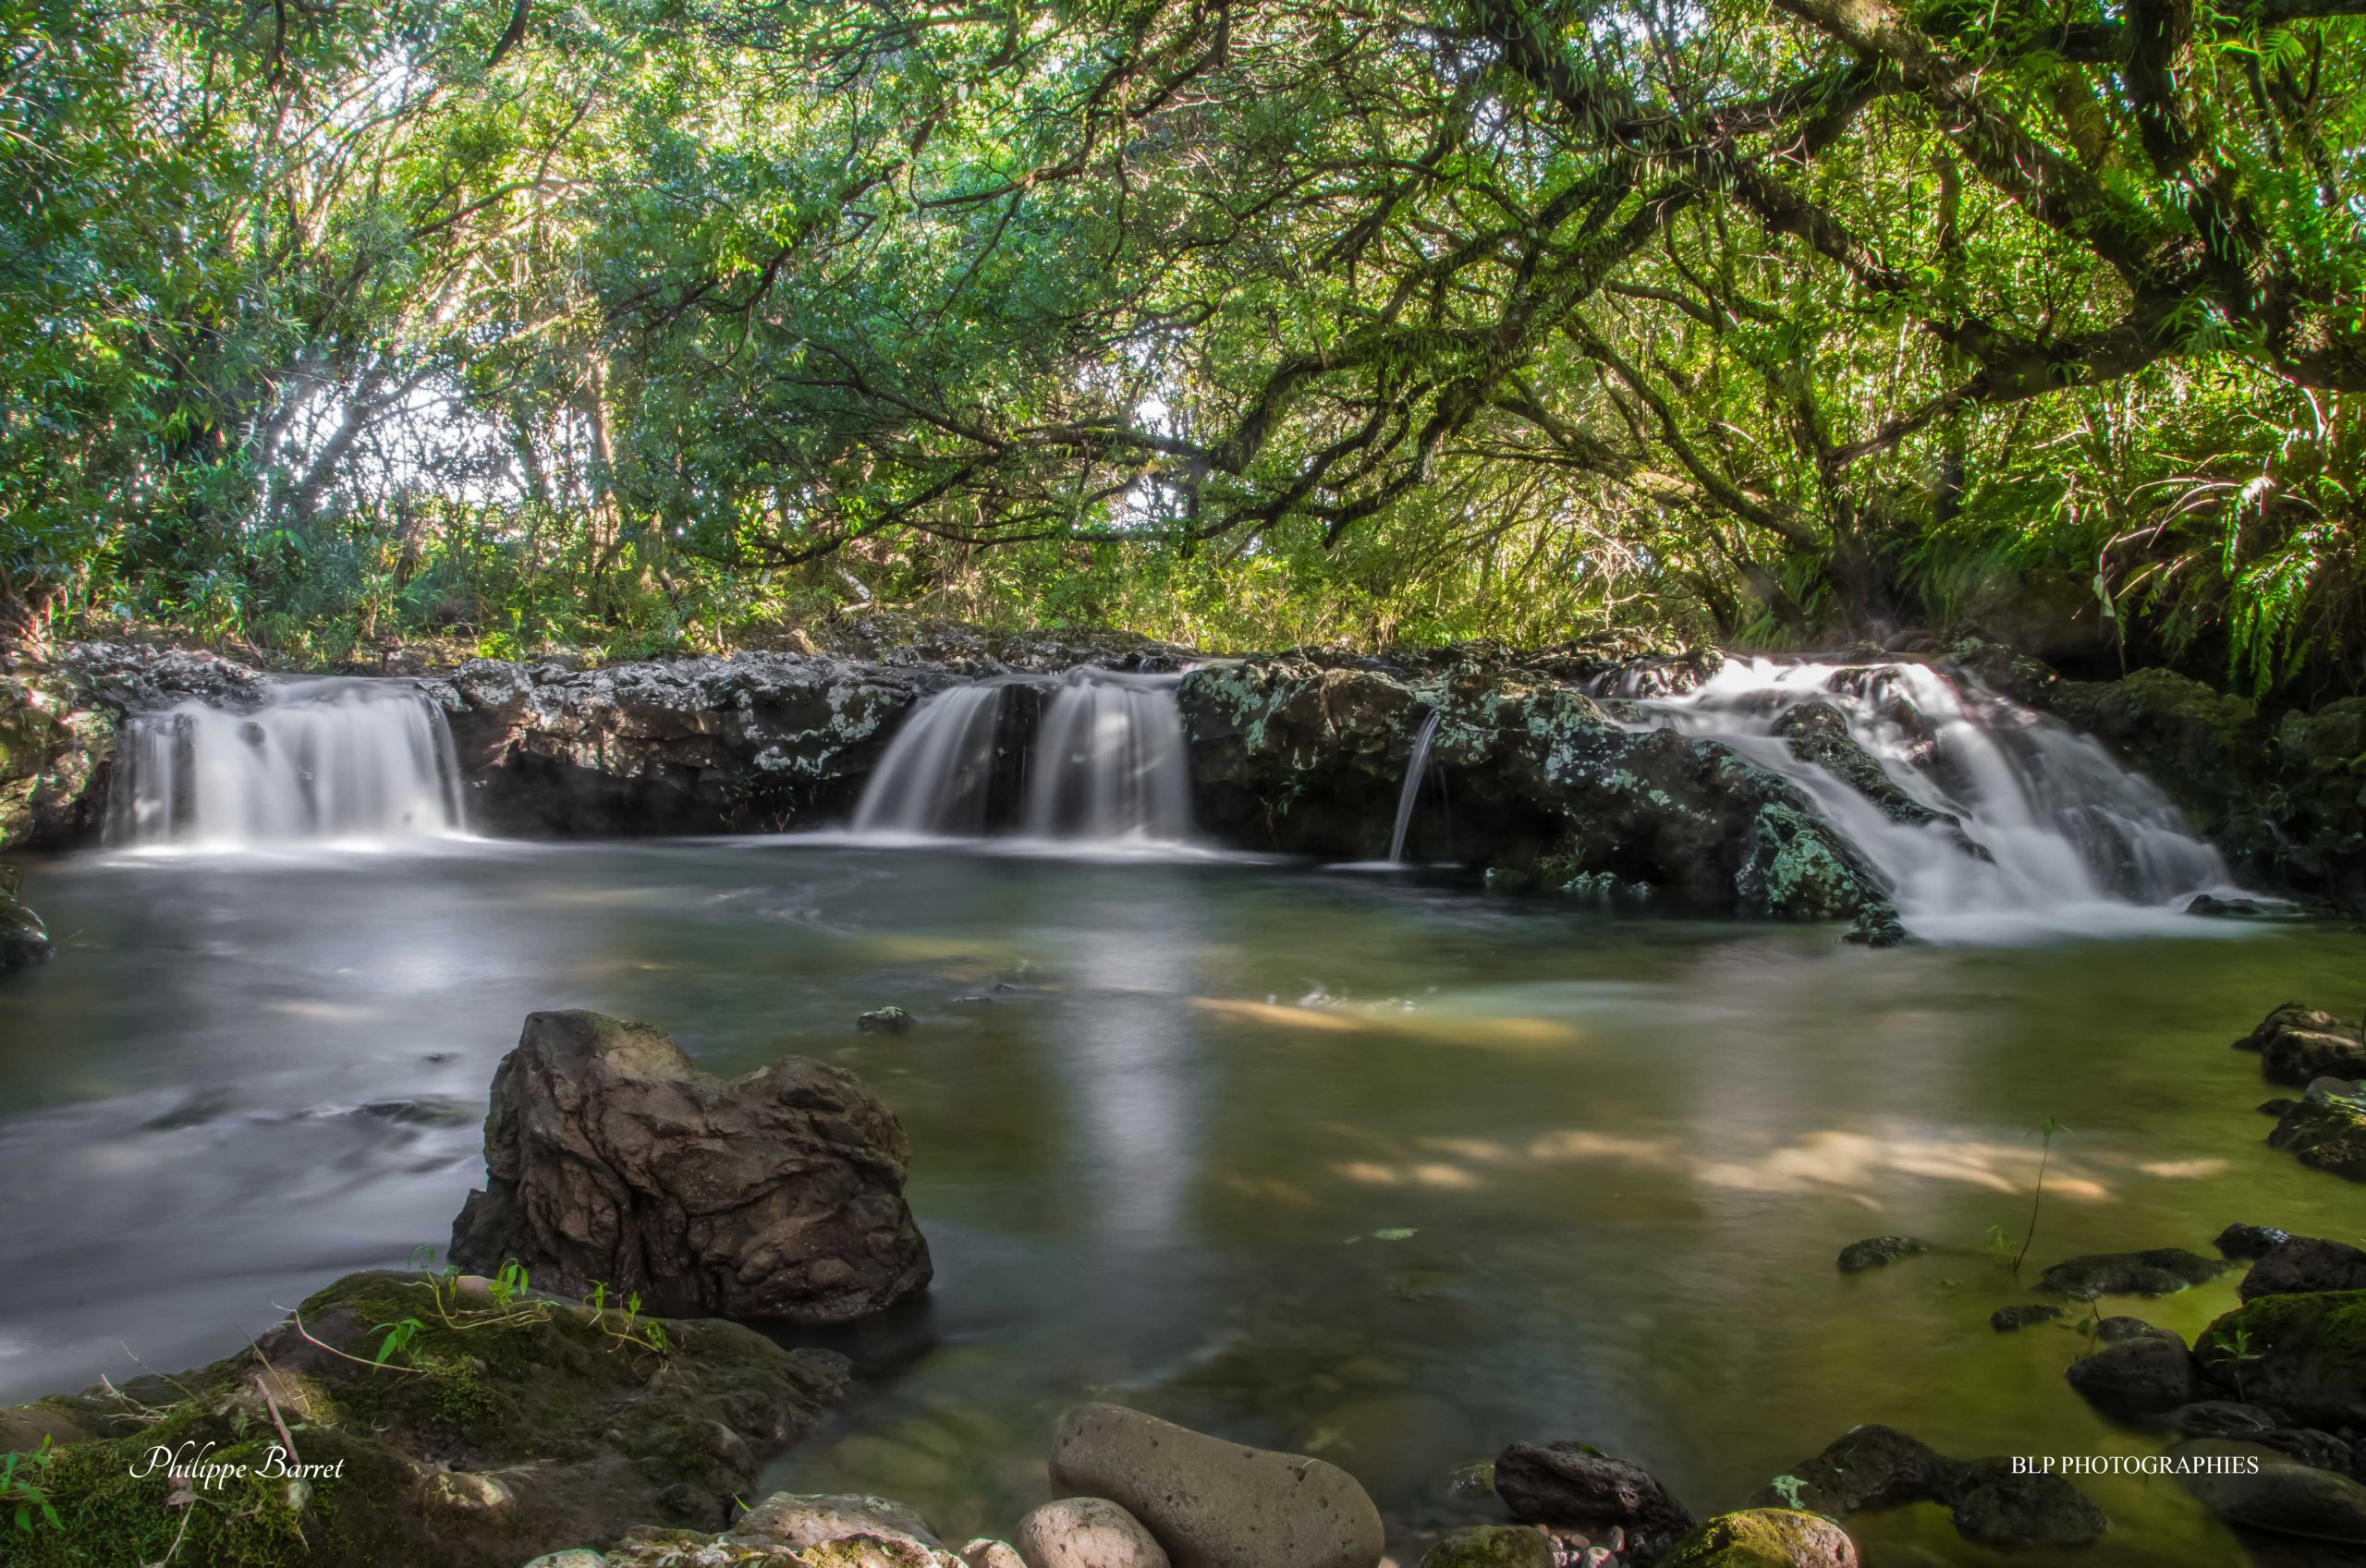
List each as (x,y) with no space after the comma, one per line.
(1085,1532)
(2160,1271)
(1874,1467)
(2301,1355)
(1764,1538)
(1569,1483)
(2233,908)
(611,1158)
(1875,1251)
(2022,1314)
(1302,755)
(796,1521)
(2250,1423)
(23,938)
(1492,1546)
(492,1435)
(884,1021)
(2296,1044)
(2137,1373)
(2304,1263)
(1213,1503)
(1994,1507)
(2247,1242)
(987,1553)
(1818,732)
(2280,1496)
(2326,1129)
(573,1556)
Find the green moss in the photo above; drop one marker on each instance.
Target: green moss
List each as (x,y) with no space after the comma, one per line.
(1492,1546)
(1759,1537)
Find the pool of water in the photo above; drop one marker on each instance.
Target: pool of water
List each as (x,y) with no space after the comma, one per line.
(1385,1170)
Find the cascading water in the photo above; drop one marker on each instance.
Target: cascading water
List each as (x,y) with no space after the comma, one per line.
(1109,761)
(1414,772)
(2049,831)
(936,775)
(348,759)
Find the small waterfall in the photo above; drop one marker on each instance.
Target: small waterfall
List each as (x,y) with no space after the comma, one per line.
(1415,771)
(323,759)
(1109,760)
(938,771)
(2049,831)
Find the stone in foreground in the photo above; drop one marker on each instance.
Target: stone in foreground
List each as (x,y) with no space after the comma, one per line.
(611,1158)
(1569,1483)
(2304,1356)
(1764,1538)
(1492,1546)
(2326,1129)
(2142,1371)
(1085,1532)
(497,1432)
(1213,1503)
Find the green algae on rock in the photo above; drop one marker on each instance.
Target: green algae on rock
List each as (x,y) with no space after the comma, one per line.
(496,1428)
(1764,1538)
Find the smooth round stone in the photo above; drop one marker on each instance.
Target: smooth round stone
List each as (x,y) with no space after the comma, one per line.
(1085,1532)
(1217,1504)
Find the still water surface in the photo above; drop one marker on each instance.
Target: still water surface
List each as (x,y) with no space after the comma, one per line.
(1386,1172)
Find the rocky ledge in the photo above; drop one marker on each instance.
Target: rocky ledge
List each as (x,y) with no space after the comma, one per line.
(416,1420)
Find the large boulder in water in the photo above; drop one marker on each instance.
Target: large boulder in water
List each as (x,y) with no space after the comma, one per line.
(611,1160)
(1571,1484)
(2326,1128)
(2302,1356)
(2299,1045)
(1213,1503)
(1874,1467)
(2304,1263)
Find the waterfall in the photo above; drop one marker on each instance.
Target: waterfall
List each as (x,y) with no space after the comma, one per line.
(1414,772)
(2008,822)
(935,775)
(1109,760)
(323,759)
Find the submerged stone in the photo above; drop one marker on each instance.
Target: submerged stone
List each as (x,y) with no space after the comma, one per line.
(884,1021)
(2160,1271)
(1874,1252)
(2327,1130)
(2020,1314)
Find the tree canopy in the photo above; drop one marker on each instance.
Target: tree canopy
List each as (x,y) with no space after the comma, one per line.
(644,322)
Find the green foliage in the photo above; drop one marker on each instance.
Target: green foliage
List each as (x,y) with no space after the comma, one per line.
(674,327)
(22,1494)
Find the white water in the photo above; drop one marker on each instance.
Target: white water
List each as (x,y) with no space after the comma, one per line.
(352,761)
(1109,760)
(1414,772)
(934,777)
(2073,842)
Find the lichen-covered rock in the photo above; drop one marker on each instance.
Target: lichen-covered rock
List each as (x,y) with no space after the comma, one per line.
(2304,1263)
(755,740)
(1874,1467)
(1571,1484)
(1210,1503)
(1764,1538)
(2326,1129)
(1874,1252)
(1818,732)
(1307,756)
(2298,1045)
(2160,1271)
(1085,1532)
(2303,1356)
(492,1431)
(1492,1546)
(55,755)
(611,1158)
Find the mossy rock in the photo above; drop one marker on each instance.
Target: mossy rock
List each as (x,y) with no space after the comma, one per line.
(1492,1546)
(2326,1130)
(1764,1538)
(499,1431)
(2304,1354)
